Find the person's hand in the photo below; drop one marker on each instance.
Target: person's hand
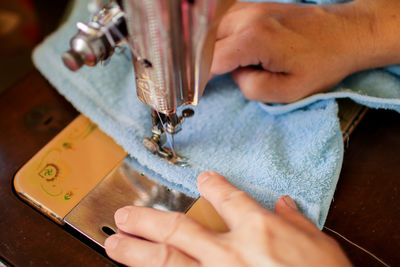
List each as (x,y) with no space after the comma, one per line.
(257,237)
(280,53)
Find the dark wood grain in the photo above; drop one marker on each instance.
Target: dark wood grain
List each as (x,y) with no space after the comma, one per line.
(366,206)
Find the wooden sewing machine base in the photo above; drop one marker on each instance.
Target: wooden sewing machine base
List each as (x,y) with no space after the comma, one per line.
(80,178)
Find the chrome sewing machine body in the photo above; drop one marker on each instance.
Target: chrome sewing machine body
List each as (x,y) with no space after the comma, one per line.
(171,43)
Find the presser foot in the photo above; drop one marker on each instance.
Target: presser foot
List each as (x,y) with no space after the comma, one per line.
(153,145)
(170,125)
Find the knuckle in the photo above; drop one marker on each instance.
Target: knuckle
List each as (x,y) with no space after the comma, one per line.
(178,219)
(174,225)
(258,220)
(229,197)
(166,256)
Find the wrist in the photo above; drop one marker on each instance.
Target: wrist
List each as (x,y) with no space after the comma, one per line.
(384,16)
(372,32)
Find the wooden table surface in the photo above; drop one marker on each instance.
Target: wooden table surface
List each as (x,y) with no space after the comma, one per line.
(366,206)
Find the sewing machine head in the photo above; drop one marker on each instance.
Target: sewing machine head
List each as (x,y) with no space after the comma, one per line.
(172,44)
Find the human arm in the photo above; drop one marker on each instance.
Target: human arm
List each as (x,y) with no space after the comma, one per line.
(280,53)
(257,237)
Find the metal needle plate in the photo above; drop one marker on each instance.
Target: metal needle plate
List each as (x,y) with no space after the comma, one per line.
(94,215)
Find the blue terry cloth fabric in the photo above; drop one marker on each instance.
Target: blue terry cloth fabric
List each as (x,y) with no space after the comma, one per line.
(266,150)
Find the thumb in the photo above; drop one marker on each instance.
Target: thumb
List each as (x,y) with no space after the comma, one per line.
(265,86)
(286,208)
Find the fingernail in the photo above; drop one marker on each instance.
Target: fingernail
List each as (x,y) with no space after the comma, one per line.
(121,216)
(111,242)
(289,202)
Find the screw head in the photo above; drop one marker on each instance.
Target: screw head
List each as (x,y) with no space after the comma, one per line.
(151,145)
(188,112)
(72,60)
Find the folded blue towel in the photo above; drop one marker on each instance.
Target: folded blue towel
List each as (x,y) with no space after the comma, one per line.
(266,150)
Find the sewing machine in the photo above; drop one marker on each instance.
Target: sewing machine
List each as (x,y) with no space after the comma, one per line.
(80,178)
(171,43)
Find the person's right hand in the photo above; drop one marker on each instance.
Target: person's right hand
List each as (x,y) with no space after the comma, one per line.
(280,53)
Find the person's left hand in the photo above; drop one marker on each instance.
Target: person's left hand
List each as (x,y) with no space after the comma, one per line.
(257,237)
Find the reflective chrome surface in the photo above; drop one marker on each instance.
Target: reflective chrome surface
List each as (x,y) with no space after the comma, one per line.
(94,215)
(177,38)
(96,40)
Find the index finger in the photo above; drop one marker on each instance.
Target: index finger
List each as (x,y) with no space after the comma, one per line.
(171,228)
